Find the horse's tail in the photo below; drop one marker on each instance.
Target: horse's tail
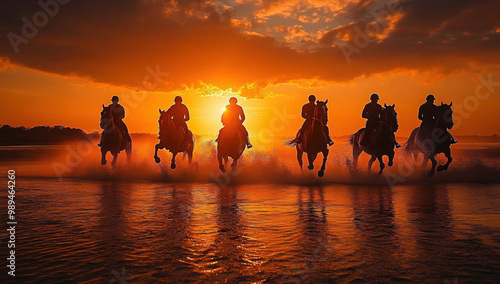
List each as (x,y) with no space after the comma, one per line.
(292,143)
(128,151)
(351,139)
(410,144)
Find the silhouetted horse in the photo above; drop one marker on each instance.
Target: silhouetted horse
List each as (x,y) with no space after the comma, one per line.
(435,141)
(231,143)
(113,139)
(314,139)
(172,138)
(381,141)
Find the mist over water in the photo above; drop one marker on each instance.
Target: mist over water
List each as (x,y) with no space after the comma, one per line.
(80,221)
(272,163)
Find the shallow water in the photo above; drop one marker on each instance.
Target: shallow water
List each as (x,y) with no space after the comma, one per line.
(144,232)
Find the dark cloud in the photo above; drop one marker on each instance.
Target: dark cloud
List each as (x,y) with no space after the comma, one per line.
(114,41)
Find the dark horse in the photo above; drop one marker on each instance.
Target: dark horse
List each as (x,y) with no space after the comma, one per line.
(381,141)
(231,143)
(113,139)
(435,141)
(172,138)
(314,139)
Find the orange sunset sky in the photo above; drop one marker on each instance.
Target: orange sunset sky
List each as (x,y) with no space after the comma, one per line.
(61,60)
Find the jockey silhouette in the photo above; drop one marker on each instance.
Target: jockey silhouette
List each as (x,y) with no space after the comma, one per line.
(234,116)
(118,114)
(427,114)
(179,114)
(307,114)
(372,113)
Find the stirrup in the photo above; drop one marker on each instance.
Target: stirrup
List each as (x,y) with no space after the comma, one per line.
(249,145)
(397,145)
(99,144)
(454,141)
(330,143)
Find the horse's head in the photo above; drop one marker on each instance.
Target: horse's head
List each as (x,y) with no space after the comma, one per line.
(164,120)
(106,117)
(321,111)
(390,116)
(444,116)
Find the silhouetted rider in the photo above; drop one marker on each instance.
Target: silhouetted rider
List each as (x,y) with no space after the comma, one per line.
(234,116)
(427,113)
(179,114)
(118,113)
(308,114)
(372,112)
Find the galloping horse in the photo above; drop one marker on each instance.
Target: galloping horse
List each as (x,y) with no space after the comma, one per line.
(172,138)
(380,143)
(231,143)
(113,139)
(435,141)
(314,139)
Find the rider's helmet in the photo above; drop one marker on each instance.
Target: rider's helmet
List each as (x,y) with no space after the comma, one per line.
(312,98)
(430,97)
(374,97)
(178,99)
(115,98)
(233,100)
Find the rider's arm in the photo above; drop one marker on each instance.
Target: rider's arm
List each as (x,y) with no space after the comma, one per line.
(420,113)
(364,114)
(242,115)
(121,113)
(186,115)
(304,113)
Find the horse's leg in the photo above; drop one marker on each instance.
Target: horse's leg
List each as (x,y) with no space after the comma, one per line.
(299,156)
(370,162)
(391,159)
(321,172)
(444,167)
(103,158)
(311,157)
(190,152)
(157,159)
(234,164)
(433,169)
(221,165)
(172,164)
(382,165)
(115,156)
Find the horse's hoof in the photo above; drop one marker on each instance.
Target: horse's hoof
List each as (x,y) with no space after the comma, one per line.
(321,173)
(173,166)
(157,160)
(311,167)
(441,168)
(103,162)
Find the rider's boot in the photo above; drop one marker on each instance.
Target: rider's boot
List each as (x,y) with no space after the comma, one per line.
(330,142)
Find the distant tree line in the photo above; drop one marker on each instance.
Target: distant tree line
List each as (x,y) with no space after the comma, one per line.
(41,135)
